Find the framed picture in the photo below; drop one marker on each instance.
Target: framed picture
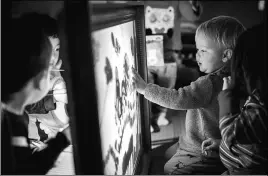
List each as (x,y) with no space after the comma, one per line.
(110,124)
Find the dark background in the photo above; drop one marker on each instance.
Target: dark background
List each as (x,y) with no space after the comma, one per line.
(245,11)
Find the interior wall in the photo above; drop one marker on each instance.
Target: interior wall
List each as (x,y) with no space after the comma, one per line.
(51,8)
(245,11)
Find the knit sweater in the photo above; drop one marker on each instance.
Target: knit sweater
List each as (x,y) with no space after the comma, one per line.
(200,101)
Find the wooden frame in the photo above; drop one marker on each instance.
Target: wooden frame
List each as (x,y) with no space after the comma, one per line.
(81,19)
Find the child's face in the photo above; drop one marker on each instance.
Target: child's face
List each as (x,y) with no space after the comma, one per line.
(55,50)
(209,54)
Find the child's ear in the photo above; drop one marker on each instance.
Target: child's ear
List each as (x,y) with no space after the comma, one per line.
(227,54)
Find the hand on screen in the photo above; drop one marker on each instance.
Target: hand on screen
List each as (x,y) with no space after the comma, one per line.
(139,83)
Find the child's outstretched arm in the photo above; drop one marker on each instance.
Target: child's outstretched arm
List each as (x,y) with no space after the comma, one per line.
(197,94)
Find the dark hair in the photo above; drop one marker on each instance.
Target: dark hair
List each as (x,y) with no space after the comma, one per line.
(29,53)
(249,62)
(48,23)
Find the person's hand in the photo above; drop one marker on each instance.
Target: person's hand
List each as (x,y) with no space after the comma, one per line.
(209,145)
(37,145)
(67,132)
(139,83)
(54,73)
(195,6)
(194,3)
(226,83)
(60,92)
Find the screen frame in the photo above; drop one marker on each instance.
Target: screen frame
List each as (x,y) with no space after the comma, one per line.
(81,19)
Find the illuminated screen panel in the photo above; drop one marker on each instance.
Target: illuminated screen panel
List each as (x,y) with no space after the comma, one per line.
(118,103)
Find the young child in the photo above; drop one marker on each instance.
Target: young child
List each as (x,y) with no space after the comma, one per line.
(49,115)
(243,149)
(166,75)
(215,40)
(29,55)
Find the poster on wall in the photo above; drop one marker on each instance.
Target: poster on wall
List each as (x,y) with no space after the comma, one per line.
(118,103)
(155,50)
(159,20)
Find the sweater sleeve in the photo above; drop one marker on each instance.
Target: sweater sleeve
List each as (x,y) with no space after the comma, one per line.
(246,126)
(198,94)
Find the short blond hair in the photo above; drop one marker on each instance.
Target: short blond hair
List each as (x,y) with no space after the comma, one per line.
(224,30)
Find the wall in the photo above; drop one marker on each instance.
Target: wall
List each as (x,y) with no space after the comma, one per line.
(48,7)
(245,11)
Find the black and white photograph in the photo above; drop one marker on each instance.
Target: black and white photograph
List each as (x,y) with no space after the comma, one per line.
(136,87)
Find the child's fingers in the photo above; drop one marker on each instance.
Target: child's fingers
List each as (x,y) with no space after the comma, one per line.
(58,64)
(224,86)
(205,143)
(134,79)
(207,148)
(136,76)
(229,80)
(134,73)
(225,79)
(226,83)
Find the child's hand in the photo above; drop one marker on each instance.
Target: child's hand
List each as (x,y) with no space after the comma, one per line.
(37,145)
(226,82)
(60,92)
(209,145)
(58,64)
(139,83)
(55,67)
(55,74)
(67,132)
